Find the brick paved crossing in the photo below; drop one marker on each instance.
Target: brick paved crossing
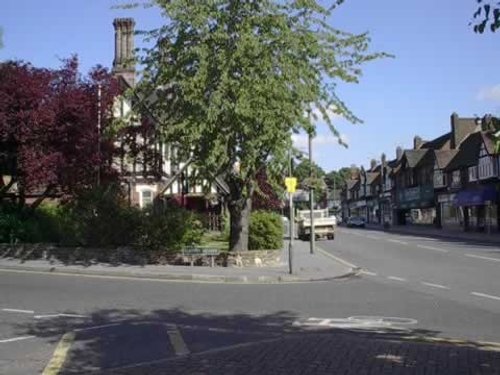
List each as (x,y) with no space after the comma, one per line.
(333,353)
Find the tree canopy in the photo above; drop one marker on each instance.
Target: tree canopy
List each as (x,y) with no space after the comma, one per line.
(48,127)
(237,77)
(486,16)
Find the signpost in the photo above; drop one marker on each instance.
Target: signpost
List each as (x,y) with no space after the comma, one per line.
(291,186)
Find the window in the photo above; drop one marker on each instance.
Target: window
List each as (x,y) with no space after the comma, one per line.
(486,167)
(146,198)
(455,179)
(439,178)
(473,173)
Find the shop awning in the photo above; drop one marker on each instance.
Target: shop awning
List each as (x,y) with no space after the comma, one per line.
(475,197)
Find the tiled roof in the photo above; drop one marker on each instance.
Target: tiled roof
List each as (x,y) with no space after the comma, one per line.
(371,177)
(444,157)
(488,142)
(468,153)
(413,157)
(438,143)
(351,184)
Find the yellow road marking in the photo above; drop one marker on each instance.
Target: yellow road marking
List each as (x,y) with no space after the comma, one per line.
(57,361)
(175,336)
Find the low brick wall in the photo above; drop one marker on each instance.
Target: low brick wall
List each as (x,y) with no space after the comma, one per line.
(255,258)
(129,255)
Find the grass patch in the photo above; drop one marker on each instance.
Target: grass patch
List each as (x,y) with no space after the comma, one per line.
(214,239)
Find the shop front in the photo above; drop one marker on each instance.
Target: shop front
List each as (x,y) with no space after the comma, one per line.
(416,206)
(358,209)
(373,211)
(479,207)
(386,208)
(449,215)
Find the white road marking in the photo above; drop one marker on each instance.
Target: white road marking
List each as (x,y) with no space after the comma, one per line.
(59,316)
(432,248)
(435,285)
(97,327)
(398,241)
(16,339)
(340,260)
(372,237)
(486,296)
(19,311)
(396,278)
(369,273)
(481,257)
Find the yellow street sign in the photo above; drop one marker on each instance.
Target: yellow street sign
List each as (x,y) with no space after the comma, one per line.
(291,184)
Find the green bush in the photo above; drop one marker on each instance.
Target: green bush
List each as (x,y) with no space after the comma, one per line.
(169,230)
(266,231)
(27,225)
(101,217)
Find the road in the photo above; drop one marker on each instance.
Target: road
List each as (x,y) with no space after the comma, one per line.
(436,287)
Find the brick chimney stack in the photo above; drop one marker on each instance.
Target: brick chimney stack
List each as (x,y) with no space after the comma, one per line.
(124,63)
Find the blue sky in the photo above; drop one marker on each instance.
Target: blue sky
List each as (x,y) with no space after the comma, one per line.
(440,65)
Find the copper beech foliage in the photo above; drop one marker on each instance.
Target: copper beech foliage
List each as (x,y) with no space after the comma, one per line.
(48,126)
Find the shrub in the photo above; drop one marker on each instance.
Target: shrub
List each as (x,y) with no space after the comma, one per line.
(169,230)
(266,231)
(102,217)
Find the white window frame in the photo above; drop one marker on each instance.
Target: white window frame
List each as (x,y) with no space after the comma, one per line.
(142,204)
(486,167)
(455,178)
(473,173)
(439,178)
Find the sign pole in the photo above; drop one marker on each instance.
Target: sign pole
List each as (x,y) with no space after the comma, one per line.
(291,184)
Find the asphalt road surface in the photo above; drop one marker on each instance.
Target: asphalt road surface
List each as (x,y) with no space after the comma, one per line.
(77,324)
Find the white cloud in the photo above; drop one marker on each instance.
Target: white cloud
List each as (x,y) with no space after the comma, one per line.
(490,93)
(300,141)
(330,111)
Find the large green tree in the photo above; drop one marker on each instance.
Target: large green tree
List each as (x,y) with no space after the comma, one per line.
(487,15)
(236,78)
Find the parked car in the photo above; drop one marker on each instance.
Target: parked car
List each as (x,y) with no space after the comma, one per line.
(356,222)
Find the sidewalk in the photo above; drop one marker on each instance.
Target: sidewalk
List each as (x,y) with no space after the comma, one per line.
(493,238)
(307,267)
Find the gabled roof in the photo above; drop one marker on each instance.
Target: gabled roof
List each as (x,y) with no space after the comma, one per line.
(351,184)
(468,153)
(413,157)
(371,177)
(444,157)
(437,143)
(489,142)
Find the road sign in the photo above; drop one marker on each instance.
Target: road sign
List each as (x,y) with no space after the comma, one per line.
(291,184)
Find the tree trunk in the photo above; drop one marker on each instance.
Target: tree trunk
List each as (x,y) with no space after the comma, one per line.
(239,215)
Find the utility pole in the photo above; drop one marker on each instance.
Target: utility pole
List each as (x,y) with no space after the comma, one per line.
(312,236)
(99,134)
(292,217)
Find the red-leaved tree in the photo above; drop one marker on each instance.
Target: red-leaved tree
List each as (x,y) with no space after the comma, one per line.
(48,128)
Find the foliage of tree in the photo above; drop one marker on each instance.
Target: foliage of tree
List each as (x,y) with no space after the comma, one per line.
(486,14)
(266,231)
(337,178)
(235,78)
(48,128)
(266,195)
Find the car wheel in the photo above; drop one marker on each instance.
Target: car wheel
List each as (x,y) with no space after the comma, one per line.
(331,236)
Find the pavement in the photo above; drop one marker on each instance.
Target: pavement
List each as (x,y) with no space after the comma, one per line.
(309,267)
(419,305)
